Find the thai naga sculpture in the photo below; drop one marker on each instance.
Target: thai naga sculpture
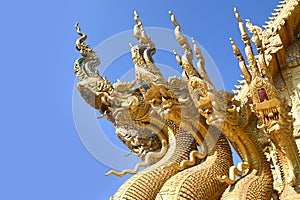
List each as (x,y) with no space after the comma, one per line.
(181,128)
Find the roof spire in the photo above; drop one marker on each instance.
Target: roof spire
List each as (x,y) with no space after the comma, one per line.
(236,50)
(83,48)
(198,53)
(140,34)
(187,58)
(174,21)
(241,25)
(241,60)
(137,19)
(201,61)
(248,48)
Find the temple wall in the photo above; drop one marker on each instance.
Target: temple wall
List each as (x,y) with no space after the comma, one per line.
(291,77)
(296,101)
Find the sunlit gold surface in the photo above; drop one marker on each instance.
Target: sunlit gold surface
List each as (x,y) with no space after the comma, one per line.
(168,122)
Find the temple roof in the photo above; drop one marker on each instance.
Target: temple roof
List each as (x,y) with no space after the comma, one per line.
(280,31)
(285,20)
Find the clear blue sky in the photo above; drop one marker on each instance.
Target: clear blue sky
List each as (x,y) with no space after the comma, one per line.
(42,156)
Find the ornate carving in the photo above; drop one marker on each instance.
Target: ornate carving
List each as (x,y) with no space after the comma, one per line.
(180,127)
(293,54)
(272,111)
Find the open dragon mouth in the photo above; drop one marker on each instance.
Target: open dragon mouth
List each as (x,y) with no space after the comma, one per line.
(139,141)
(270,114)
(268,111)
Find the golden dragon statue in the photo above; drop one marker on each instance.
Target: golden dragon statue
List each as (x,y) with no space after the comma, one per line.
(182,128)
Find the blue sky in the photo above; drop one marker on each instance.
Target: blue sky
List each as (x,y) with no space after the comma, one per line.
(42,156)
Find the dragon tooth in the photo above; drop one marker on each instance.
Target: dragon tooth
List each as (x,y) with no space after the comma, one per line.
(271,115)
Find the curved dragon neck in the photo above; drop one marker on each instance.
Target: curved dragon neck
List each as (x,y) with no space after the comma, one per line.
(289,157)
(259,172)
(135,189)
(190,183)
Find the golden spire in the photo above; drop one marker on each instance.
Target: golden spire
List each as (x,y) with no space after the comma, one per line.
(137,19)
(83,48)
(236,50)
(198,53)
(184,74)
(248,48)
(257,39)
(182,40)
(241,25)
(179,36)
(173,20)
(178,59)
(83,37)
(186,61)
(201,61)
(241,60)
(140,34)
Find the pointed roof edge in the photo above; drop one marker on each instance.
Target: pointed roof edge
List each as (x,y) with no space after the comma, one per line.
(282,13)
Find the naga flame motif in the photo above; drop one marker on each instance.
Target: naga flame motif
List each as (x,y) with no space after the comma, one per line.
(171,124)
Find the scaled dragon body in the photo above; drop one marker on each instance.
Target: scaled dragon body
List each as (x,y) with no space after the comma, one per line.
(181,128)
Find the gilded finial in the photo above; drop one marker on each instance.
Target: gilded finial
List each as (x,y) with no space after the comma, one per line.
(248,48)
(178,59)
(198,53)
(140,34)
(80,40)
(173,20)
(236,50)
(241,25)
(201,61)
(246,74)
(137,19)
(83,48)
(182,40)
(237,15)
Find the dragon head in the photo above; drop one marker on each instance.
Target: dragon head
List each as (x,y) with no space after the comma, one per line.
(270,109)
(95,90)
(139,140)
